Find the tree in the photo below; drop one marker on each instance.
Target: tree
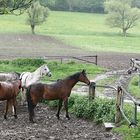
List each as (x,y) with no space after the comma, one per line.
(9,6)
(136,3)
(121,14)
(37,14)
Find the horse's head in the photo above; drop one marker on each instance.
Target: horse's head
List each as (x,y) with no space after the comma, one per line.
(133,66)
(45,71)
(83,78)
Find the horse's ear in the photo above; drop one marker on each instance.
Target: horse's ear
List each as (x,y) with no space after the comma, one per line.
(83,71)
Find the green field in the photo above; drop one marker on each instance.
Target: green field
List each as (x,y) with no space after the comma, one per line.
(83,30)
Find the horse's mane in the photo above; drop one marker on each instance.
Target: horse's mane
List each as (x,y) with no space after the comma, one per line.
(17,73)
(74,76)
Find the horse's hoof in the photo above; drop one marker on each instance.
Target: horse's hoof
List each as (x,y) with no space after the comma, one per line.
(57,116)
(5,117)
(31,120)
(68,117)
(15,116)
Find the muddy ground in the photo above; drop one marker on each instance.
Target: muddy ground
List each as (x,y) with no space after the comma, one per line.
(47,127)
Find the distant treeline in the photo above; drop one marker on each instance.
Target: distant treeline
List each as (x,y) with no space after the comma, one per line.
(92,6)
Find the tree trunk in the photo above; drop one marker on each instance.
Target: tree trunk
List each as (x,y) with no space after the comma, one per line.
(70,5)
(33,29)
(124,31)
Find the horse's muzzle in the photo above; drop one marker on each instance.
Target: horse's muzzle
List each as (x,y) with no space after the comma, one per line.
(49,74)
(88,83)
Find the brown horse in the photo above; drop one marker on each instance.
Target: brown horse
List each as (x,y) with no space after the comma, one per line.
(9,91)
(57,91)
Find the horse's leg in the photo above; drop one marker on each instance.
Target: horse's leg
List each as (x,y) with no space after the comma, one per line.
(66,108)
(14,108)
(6,109)
(31,113)
(59,108)
(23,96)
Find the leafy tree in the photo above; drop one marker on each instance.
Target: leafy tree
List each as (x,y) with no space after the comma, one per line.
(75,5)
(37,14)
(136,3)
(121,14)
(9,6)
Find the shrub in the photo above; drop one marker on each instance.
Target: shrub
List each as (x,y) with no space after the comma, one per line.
(53,103)
(28,62)
(4,62)
(98,110)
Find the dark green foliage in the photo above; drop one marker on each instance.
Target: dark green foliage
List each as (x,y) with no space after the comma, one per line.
(9,6)
(136,3)
(27,62)
(4,62)
(96,6)
(53,103)
(135,80)
(98,110)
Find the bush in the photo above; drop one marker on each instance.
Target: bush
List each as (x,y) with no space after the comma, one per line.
(4,62)
(28,62)
(53,103)
(98,110)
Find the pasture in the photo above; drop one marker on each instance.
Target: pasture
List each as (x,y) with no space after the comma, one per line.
(64,33)
(81,30)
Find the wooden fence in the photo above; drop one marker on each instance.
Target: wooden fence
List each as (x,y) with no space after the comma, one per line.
(88,59)
(120,94)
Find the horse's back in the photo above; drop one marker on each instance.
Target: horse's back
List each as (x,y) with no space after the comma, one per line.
(6,90)
(9,76)
(9,89)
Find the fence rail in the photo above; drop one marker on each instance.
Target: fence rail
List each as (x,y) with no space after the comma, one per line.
(87,58)
(120,93)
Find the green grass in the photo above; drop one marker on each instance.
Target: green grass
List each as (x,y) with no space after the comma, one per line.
(134,87)
(83,30)
(59,71)
(128,133)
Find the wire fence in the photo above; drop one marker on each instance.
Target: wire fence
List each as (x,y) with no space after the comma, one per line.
(121,93)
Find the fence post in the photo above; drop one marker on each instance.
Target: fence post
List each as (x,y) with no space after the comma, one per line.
(61,59)
(96,59)
(92,90)
(135,114)
(118,104)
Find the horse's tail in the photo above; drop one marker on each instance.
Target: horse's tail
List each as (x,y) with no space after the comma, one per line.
(29,101)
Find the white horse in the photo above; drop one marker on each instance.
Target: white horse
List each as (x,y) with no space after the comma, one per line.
(28,78)
(134,66)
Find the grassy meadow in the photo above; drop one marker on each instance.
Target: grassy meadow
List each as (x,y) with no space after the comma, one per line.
(59,70)
(83,30)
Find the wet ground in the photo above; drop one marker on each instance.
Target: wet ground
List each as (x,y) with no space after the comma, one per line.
(47,127)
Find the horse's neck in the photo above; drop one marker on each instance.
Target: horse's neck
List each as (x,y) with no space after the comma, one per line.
(137,64)
(71,82)
(37,74)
